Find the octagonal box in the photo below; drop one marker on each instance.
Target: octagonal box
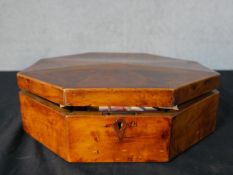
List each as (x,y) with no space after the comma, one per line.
(69,105)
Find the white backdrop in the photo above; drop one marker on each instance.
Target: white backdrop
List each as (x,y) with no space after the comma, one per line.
(188,29)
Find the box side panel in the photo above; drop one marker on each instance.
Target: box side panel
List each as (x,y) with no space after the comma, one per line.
(42,89)
(194,123)
(119,97)
(44,124)
(195,89)
(141,139)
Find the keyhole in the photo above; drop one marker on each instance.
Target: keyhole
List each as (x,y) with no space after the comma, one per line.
(120,125)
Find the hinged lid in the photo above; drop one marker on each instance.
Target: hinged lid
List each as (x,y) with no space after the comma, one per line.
(117,79)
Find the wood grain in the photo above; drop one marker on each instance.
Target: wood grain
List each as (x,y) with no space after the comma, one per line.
(92,137)
(193,123)
(117,79)
(46,125)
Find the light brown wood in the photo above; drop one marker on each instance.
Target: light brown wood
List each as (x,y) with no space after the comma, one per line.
(193,122)
(117,79)
(93,137)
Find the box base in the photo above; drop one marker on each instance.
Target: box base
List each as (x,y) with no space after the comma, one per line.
(92,137)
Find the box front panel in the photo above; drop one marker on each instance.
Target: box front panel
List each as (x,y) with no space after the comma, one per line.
(119,138)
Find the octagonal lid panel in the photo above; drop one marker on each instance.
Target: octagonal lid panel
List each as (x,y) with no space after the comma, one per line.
(117,79)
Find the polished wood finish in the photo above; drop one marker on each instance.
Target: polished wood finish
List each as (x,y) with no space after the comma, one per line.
(193,122)
(117,79)
(92,137)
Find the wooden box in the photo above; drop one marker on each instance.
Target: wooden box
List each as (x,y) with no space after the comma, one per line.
(118,107)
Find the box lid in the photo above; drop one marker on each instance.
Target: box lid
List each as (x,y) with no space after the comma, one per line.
(117,79)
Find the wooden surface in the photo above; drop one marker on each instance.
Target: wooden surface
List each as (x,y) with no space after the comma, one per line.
(117,79)
(92,137)
(194,122)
